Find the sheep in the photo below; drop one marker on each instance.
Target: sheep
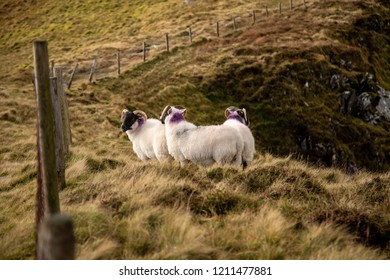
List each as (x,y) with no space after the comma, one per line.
(237,118)
(200,144)
(147,135)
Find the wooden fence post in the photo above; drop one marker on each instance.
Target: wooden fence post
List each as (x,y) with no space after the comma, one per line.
(167,41)
(56,240)
(92,70)
(217,28)
(291,5)
(118,61)
(190,34)
(72,75)
(58,129)
(234,23)
(46,126)
(144,50)
(280,8)
(266,11)
(40,196)
(254,16)
(52,74)
(304,4)
(63,101)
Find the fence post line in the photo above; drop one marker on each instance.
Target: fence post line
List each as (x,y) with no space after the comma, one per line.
(266,11)
(144,50)
(254,16)
(280,7)
(63,101)
(58,128)
(291,5)
(46,126)
(304,3)
(56,240)
(92,70)
(167,41)
(234,23)
(72,75)
(217,28)
(190,34)
(118,61)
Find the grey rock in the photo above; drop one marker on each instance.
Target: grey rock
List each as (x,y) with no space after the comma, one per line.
(334,81)
(383,107)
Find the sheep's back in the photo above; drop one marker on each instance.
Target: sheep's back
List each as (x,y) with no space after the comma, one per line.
(204,142)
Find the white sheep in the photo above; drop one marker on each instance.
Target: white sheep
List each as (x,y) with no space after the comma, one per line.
(237,118)
(147,135)
(200,144)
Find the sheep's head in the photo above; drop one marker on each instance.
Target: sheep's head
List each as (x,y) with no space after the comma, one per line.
(132,120)
(173,114)
(237,114)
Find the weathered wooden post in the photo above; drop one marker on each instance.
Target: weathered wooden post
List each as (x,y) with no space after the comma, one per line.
(253,16)
(46,124)
(291,5)
(217,28)
(167,41)
(304,4)
(52,68)
(234,23)
(190,34)
(40,196)
(93,67)
(56,239)
(266,11)
(280,8)
(118,61)
(58,129)
(144,50)
(72,75)
(63,101)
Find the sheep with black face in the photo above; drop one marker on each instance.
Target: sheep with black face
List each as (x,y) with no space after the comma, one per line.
(147,135)
(200,144)
(237,118)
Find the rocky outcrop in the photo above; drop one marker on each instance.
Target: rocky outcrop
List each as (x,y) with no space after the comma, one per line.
(365,100)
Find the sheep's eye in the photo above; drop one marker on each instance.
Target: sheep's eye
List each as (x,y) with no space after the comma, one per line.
(241,113)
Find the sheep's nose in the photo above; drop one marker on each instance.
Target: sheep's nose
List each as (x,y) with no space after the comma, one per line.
(123,127)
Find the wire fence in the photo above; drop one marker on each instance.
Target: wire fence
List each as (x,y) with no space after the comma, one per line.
(112,62)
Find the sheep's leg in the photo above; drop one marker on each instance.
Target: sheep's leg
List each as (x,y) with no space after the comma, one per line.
(184,162)
(223,157)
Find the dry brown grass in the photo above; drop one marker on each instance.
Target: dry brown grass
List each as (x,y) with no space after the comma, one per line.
(279,208)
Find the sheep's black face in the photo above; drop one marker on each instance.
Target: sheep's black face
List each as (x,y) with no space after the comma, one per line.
(128,119)
(238,114)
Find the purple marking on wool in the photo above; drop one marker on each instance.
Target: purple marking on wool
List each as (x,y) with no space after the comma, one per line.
(141,121)
(235,116)
(177,117)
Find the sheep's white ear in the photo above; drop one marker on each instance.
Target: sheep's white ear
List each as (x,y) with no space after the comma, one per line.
(164,113)
(141,114)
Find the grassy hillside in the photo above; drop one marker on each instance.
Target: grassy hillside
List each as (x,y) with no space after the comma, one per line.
(279,69)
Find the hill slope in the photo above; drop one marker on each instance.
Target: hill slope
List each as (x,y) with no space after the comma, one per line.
(288,70)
